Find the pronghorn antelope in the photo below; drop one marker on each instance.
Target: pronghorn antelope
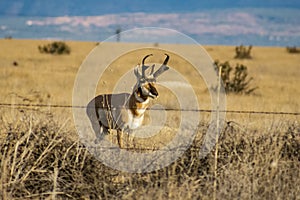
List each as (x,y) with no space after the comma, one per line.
(125,111)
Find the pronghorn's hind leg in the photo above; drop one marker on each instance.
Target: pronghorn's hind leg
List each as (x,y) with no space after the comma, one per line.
(99,130)
(95,124)
(101,133)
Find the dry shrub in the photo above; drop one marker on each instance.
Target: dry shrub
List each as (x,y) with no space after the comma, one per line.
(293,49)
(37,160)
(242,52)
(56,48)
(262,165)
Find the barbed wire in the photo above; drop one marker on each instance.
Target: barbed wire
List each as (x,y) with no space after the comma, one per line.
(30,106)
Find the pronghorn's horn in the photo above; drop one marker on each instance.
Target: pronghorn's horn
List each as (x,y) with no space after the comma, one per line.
(144,67)
(143,62)
(166,60)
(162,68)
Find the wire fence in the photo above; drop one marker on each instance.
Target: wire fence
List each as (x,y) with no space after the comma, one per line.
(30,106)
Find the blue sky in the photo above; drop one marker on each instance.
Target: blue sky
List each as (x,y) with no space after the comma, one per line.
(100,7)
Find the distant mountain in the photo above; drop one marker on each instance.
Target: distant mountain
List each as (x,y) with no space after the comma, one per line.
(256,26)
(101,7)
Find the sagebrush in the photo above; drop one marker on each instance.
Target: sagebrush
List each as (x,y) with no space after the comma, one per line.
(235,80)
(293,49)
(57,48)
(243,52)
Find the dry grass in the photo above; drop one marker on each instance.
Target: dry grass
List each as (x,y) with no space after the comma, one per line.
(41,157)
(39,161)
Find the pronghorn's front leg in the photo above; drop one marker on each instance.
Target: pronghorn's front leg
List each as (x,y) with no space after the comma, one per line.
(97,125)
(119,137)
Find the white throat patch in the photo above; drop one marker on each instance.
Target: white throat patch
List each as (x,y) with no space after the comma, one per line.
(134,121)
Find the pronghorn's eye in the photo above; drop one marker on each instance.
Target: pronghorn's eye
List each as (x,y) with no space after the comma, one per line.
(140,90)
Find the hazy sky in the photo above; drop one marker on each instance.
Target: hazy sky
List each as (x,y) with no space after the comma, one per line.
(100,7)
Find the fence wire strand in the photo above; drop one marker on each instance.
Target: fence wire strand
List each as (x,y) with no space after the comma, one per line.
(30,106)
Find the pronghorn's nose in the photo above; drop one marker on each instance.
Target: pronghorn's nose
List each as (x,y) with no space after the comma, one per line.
(153,96)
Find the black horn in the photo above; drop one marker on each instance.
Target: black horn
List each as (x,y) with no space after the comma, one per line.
(144,67)
(143,62)
(162,68)
(166,60)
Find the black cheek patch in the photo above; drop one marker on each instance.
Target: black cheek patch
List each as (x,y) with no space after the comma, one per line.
(153,90)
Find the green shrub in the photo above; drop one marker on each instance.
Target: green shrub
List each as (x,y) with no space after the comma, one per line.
(56,48)
(241,52)
(235,80)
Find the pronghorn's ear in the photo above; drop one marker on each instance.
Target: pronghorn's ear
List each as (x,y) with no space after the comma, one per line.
(137,73)
(162,68)
(144,68)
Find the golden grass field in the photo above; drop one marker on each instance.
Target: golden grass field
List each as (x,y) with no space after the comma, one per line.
(275,72)
(259,155)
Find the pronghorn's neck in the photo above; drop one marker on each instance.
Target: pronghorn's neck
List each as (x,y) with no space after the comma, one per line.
(137,107)
(138,104)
